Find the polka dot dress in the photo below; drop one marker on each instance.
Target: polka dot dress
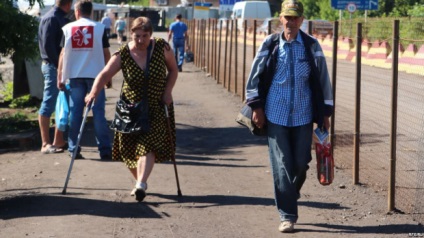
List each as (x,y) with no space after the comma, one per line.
(129,147)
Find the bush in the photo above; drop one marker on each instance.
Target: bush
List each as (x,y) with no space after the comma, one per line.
(20,102)
(411,29)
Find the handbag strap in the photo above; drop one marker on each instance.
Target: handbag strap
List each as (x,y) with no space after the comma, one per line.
(146,72)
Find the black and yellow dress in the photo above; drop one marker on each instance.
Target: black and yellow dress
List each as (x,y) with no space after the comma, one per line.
(129,147)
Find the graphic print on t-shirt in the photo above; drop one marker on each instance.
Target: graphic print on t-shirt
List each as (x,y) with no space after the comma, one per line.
(82,37)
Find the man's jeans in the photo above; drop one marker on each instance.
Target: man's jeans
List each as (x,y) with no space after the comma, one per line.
(179,46)
(289,154)
(78,90)
(51,91)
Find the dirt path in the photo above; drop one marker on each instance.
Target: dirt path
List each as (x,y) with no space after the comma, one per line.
(224,177)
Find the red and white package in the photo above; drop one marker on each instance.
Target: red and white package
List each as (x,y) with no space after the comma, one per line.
(325,163)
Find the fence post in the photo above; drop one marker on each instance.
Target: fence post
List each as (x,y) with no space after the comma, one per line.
(225,54)
(203,44)
(213,47)
(243,97)
(219,53)
(357,134)
(235,57)
(209,68)
(269,28)
(333,83)
(231,55)
(193,40)
(254,38)
(198,42)
(310,28)
(392,176)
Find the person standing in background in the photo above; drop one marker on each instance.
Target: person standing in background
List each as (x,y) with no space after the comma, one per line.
(120,25)
(178,33)
(49,38)
(295,93)
(107,22)
(85,53)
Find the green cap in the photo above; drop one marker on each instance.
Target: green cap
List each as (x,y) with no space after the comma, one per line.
(291,8)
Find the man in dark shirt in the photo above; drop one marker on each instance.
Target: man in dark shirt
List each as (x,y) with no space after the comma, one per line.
(49,38)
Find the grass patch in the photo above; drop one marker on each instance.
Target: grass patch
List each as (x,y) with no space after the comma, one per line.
(17,114)
(16,122)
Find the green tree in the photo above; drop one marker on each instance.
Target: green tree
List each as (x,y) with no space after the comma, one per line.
(416,11)
(18,32)
(326,12)
(400,8)
(311,9)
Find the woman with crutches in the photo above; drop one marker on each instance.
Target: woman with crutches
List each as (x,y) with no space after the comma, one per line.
(145,60)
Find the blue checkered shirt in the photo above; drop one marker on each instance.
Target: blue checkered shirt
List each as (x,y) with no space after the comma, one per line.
(289,100)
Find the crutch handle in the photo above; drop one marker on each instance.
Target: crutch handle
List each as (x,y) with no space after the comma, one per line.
(166,110)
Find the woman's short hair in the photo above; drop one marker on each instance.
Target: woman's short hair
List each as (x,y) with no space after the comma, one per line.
(142,23)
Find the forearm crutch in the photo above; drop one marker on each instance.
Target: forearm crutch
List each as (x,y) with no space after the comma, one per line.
(173,154)
(75,152)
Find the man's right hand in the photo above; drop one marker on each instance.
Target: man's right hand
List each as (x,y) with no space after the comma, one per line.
(258,117)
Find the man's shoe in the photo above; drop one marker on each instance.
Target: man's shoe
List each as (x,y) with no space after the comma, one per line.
(106,157)
(286,226)
(78,156)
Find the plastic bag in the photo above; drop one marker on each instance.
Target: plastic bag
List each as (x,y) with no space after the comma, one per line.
(188,56)
(325,160)
(62,111)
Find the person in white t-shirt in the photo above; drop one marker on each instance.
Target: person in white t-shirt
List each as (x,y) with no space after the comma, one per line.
(85,51)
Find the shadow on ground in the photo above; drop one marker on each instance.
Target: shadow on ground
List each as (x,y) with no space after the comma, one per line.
(34,205)
(380,229)
(63,205)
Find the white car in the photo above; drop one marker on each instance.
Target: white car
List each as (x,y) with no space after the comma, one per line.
(222,23)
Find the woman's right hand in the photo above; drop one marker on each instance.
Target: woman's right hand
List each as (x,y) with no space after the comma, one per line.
(167,98)
(89,98)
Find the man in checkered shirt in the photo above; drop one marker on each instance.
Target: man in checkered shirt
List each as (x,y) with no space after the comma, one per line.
(288,90)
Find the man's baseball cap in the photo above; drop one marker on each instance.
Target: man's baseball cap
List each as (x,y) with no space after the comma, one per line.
(292,8)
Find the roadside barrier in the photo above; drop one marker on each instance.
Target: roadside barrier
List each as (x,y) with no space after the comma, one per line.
(377,55)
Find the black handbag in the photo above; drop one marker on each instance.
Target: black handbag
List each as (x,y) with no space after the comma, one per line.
(244,118)
(133,117)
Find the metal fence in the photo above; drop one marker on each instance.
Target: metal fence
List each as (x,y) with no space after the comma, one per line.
(377,131)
